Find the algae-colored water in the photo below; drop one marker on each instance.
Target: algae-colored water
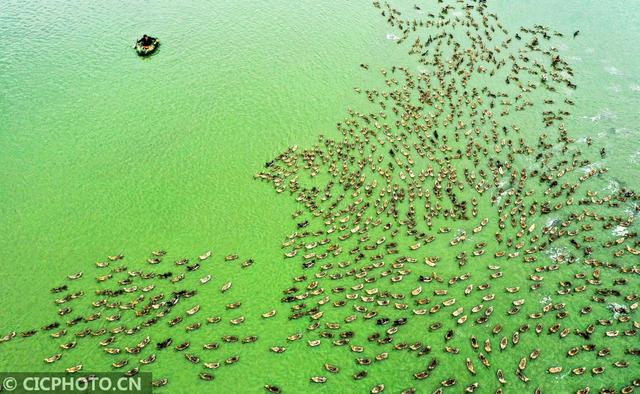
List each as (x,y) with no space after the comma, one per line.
(103,152)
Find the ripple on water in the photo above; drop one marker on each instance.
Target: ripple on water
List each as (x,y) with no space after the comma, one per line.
(604,114)
(615,88)
(613,70)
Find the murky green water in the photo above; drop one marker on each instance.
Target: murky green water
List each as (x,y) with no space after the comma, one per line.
(102,152)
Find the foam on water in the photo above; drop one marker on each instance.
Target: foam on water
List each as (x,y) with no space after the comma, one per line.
(612,187)
(612,70)
(503,183)
(593,166)
(633,210)
(620,231)
(555,252)
(546,299)
(605,114)
(552,222)
(615,88)
(614,313)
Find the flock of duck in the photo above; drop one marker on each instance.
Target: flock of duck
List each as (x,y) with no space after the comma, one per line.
(454,226)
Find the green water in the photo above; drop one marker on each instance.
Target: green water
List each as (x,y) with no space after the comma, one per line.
(102,152)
